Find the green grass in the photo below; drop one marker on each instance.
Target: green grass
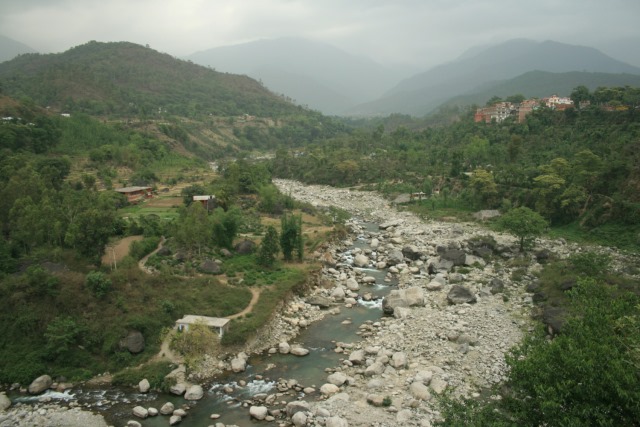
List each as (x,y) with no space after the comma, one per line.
(622,236)
(136,211)
(438,208)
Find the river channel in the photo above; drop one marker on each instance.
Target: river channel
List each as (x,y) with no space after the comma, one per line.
(263,370)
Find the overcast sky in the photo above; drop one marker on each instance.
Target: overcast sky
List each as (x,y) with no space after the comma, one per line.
(419,32)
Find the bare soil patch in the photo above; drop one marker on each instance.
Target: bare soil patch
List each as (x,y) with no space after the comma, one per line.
(118,250)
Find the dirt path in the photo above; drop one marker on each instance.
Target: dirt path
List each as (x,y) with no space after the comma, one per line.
(142,263)
(117,251)
(255,296)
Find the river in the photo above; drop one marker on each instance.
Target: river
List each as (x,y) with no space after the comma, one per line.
(263,370)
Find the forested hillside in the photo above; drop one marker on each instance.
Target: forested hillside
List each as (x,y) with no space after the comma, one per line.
(124,79)
(571,166)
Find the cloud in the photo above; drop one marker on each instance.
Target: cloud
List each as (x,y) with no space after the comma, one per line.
(409,31)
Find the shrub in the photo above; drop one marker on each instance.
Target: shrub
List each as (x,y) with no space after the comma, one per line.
(98,283)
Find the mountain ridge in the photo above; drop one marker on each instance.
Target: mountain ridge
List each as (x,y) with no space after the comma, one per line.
(423,92)
(309,64)
(122,78)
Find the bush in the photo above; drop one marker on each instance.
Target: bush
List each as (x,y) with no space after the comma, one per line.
(98,283)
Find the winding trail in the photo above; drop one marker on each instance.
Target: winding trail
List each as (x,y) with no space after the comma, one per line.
(255,296)
(142,264)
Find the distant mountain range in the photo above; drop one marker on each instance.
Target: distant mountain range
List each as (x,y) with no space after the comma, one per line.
(312,73)
(10,48)
(422,93)
(128,79)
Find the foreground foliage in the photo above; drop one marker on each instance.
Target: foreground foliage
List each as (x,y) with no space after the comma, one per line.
(587,376)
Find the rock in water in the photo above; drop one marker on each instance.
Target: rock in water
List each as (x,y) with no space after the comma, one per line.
(40,384)
(194,392)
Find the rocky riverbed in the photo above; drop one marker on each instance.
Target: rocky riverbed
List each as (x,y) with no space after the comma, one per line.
(455,315)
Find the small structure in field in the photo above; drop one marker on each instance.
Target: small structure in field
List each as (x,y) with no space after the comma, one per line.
(208,201)
(220,325)
(136,194)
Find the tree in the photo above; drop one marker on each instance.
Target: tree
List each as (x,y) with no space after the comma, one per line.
(484,186)
(193,230)
(98,284)
(291,236)
(523,223)
(195,342)
(269,248)
(580,94)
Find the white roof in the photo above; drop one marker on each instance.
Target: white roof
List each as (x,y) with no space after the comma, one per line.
(198,198)
(215,322)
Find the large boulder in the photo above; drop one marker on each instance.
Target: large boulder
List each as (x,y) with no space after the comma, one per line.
(299,419)
(336,422)
(357,357)
(456,256)
(460,295)
(210,267)
(245,247)
(258,412)
(40,384)
(133,342)
(338,293)
(410,297)
(5,402)
(352,284)
(144,386)
(175,420)
(399,360)
(194,392)
(320,301)
(411,252)
(391,223)
(238,364)
(299,351)
(329,389)
(140,412)
(337,378)
(284,347)
(167,408)
(395,257)
(178,388)
(361,260)
(420,391)
(297,406)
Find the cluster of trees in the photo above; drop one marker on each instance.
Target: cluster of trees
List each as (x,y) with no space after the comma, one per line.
(612,96)
(569,166)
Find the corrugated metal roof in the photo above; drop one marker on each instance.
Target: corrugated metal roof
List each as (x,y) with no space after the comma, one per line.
(190,319)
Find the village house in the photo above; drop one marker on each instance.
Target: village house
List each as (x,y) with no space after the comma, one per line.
(136,194)
(218,324)
(498,112)
(559,103)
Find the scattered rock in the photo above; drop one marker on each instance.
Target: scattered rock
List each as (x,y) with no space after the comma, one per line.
(140,412)
(258,412)
(134,342)
(460,295)
(144,386)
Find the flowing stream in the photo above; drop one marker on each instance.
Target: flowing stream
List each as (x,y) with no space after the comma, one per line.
(263,371)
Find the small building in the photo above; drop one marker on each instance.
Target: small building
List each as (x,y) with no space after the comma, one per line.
(135,194)
(208,201)
(218,324)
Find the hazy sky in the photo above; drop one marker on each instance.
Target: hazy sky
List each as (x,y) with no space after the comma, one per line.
(419,32)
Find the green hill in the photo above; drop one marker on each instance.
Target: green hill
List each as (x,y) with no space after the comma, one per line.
(123,79)
(539,84)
